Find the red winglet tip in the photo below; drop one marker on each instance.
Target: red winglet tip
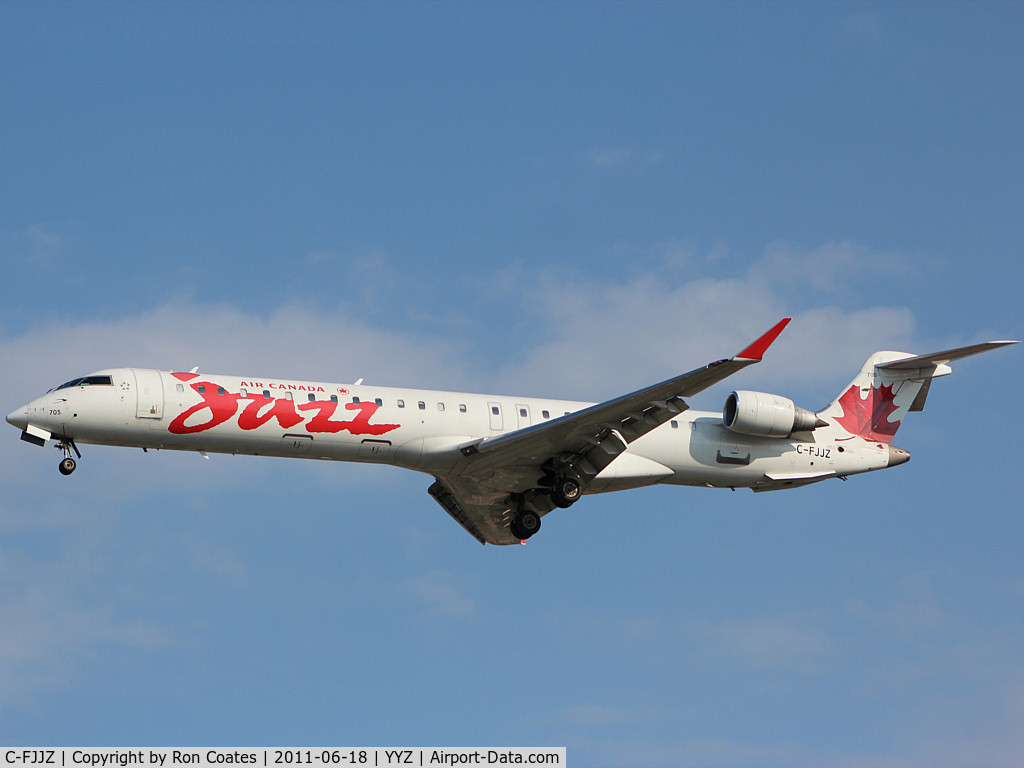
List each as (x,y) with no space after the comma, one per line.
(756,350)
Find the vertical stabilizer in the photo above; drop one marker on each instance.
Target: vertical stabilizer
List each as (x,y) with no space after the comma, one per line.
(874,404)
(890,385)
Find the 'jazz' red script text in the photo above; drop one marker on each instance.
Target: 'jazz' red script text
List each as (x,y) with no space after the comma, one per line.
(219,406)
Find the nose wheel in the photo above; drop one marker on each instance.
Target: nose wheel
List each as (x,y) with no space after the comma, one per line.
(67,464)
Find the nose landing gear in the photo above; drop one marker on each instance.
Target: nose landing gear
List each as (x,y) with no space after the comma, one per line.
(67,464)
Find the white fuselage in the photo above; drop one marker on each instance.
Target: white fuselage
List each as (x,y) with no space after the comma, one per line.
(416,429)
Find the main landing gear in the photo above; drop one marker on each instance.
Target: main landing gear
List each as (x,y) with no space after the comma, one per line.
(564,491)
(67,464)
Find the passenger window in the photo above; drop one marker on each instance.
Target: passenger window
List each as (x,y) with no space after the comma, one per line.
(334,399)
(312,397)
(201,389)
(378,402)
(243,392)
(545,414)
(355,401)
(421,405)
(266,394)
(401,403)
(522,412)
(289,395)
(675,424)
(220,390)
(180,387)
(494,410)
(462,407)
(440,406)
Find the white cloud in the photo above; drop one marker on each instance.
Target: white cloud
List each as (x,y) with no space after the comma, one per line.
(828,269)
(290,341)
(597,340)
(596,337)
(607,338)
(440,594)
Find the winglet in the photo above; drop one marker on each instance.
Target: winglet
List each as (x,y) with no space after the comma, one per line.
(756,350)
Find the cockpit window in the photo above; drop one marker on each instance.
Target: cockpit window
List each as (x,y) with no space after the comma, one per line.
(88,381)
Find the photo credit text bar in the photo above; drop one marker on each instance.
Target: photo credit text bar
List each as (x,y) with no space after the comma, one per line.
(273,757)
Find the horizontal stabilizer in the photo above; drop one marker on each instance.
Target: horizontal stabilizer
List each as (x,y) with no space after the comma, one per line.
(941,358)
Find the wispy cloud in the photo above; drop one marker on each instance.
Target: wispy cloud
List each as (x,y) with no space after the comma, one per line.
(780,642)
(609,157)
(51,619)
(605,337)
(440,593)
(861,28)
(36,245)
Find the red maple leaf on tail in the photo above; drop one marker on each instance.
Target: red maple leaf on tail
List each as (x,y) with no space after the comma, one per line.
(869,416)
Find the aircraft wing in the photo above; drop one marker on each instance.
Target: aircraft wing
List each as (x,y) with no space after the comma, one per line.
(479,492)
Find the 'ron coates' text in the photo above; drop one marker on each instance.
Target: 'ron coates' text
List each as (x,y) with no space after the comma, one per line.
(126,757)
(219,406)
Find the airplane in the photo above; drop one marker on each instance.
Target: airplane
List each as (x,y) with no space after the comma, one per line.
(501,463)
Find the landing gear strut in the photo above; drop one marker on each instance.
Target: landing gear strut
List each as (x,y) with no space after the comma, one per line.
(67,464)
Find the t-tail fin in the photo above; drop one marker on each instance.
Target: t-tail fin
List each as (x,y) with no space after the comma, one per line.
(890,385)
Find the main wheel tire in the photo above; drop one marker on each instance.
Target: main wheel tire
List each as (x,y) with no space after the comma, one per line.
(67,466)
(565,492)
(525,525)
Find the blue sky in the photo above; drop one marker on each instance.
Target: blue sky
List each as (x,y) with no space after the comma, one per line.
(560,199)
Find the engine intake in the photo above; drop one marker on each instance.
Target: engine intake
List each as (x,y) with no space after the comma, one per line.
(764,415)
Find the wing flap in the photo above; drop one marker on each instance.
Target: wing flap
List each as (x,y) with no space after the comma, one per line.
(486,522)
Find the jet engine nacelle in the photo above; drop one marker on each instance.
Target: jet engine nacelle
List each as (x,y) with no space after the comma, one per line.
(764,415)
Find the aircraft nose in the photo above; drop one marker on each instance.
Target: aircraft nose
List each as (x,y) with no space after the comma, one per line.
(19,418)
(897,456)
